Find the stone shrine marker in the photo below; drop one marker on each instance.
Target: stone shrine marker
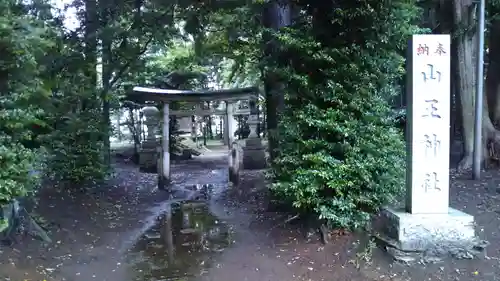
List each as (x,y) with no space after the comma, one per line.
(427,224)
(428,125)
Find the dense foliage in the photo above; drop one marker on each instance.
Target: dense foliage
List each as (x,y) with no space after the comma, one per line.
(21,44)
(75,143)
(340,153)
(339,64)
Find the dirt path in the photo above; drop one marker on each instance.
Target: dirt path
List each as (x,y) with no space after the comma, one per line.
(353,257)
(92,233)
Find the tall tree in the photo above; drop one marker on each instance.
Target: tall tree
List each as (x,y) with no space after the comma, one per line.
(466,51)
(493,68)
(277,14)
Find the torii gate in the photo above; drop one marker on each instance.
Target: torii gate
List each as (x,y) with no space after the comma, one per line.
(254,155)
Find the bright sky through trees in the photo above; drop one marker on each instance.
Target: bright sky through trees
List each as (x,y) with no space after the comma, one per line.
(71,22)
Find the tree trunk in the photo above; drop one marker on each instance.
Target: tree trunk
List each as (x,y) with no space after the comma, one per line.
(203,130)
(133,127)
(106,38)
(258,124)
(466,63)
(209,128)
(209,123)
(91,27)
(492,81)
(277,14)
(221,130)
(442,23)
(264,122)
(118,126)
(466,49)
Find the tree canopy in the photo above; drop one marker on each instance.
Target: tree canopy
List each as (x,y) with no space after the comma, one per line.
(329,72)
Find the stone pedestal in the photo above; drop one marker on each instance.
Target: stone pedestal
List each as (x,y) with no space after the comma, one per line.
(148,157)
(234,163)
(433,235)
(427,225)
(229,124)
(185,125)
(254,153)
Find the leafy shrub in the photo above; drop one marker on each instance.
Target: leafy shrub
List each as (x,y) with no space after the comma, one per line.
(76,150)
(75,145)
(345,166)
(16,165)
(21,42)
(341,156)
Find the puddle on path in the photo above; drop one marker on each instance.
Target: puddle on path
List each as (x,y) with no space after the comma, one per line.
(181,245)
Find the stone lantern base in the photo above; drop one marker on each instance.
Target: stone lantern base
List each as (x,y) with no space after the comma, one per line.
(254,154)
(148,157)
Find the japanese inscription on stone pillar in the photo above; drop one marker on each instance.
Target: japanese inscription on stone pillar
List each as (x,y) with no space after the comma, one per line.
(428,118)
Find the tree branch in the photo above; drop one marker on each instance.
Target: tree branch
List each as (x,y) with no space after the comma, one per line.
(129,62)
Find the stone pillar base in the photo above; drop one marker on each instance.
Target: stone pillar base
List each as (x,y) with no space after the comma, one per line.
(163,183)
(409,237)
(234,164)
(254,154)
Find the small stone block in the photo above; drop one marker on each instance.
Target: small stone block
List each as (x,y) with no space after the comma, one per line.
(152,236)
(254,155)
(149,145)
(189,230)
(193,205)
(163,183)
(148,161)
(437,233)
(188,244)
(253,142)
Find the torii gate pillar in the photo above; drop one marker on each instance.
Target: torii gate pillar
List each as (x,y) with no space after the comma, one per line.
(164,159)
